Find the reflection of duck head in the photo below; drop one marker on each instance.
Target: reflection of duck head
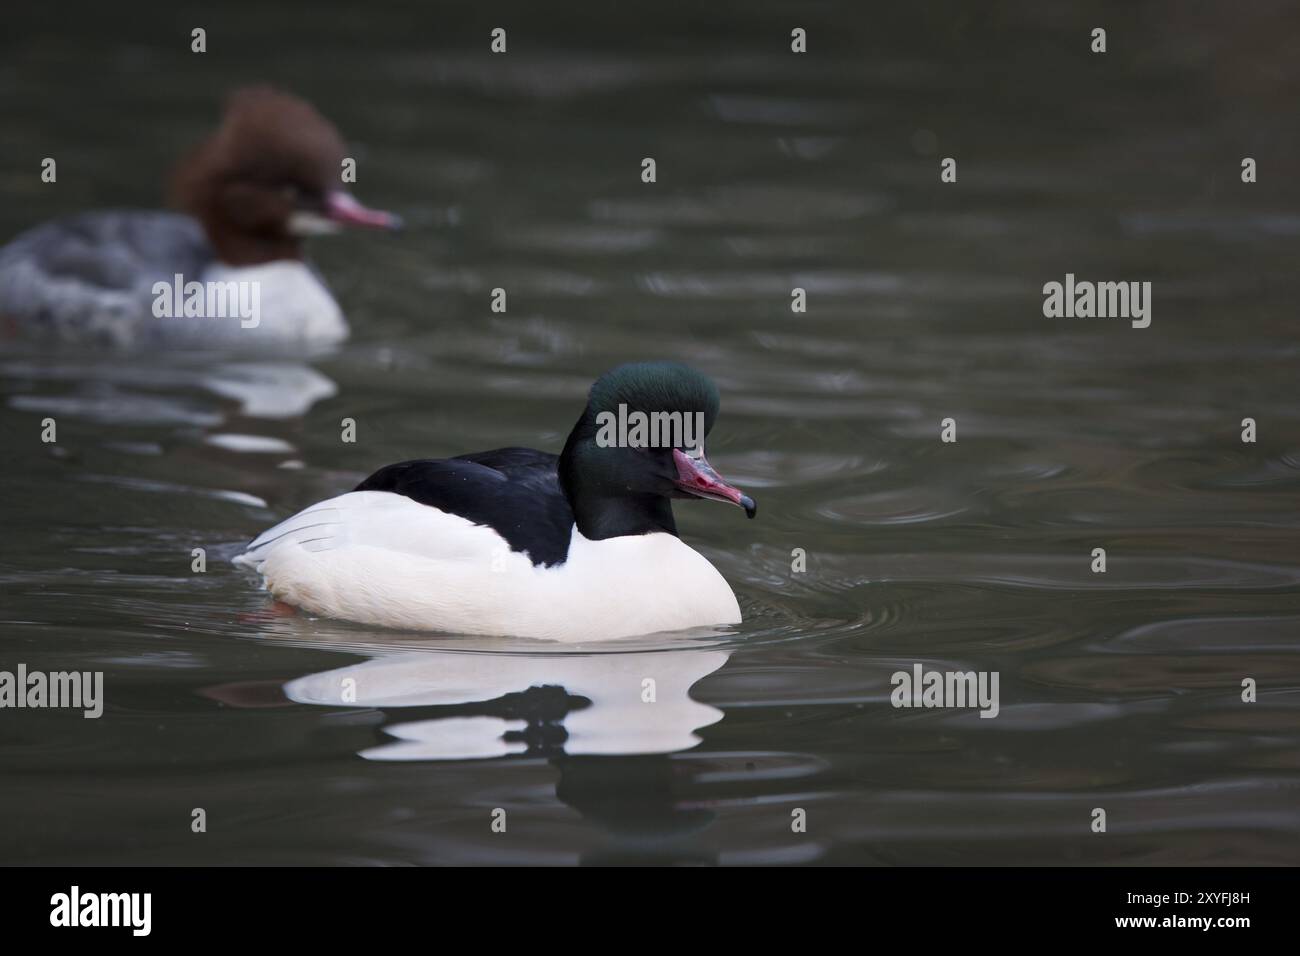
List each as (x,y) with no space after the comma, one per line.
(639,802)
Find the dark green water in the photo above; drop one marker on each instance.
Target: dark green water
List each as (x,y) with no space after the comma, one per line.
(1118,690)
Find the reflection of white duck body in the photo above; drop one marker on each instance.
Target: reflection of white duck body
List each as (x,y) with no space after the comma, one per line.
(270,389)
(640,702)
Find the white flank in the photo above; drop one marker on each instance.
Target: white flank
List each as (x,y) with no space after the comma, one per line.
(384,559)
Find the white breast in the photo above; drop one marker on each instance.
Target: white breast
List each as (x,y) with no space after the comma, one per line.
(293,308)
(384,559)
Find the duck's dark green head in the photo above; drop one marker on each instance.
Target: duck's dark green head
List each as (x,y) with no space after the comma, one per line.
(651,387)
(639,443)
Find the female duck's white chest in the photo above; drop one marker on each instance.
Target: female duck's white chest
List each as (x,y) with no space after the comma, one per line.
(291,302)
(275,303)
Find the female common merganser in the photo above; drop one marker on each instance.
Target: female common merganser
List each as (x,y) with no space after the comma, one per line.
(229,274)
(521,543)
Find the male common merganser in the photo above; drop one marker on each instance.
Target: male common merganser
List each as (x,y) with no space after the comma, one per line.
(230,273)
(519,542)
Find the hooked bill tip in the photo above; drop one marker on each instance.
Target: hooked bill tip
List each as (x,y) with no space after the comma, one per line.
(747,503)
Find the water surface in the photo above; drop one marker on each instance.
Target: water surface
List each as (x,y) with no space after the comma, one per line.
(1118,690)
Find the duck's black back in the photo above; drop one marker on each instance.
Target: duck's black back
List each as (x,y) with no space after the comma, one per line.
(514,491)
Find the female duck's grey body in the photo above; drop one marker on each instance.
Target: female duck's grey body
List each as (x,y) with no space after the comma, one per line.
(97,278)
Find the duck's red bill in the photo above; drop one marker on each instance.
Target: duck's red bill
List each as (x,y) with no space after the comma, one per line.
(696,477)
(342,208)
